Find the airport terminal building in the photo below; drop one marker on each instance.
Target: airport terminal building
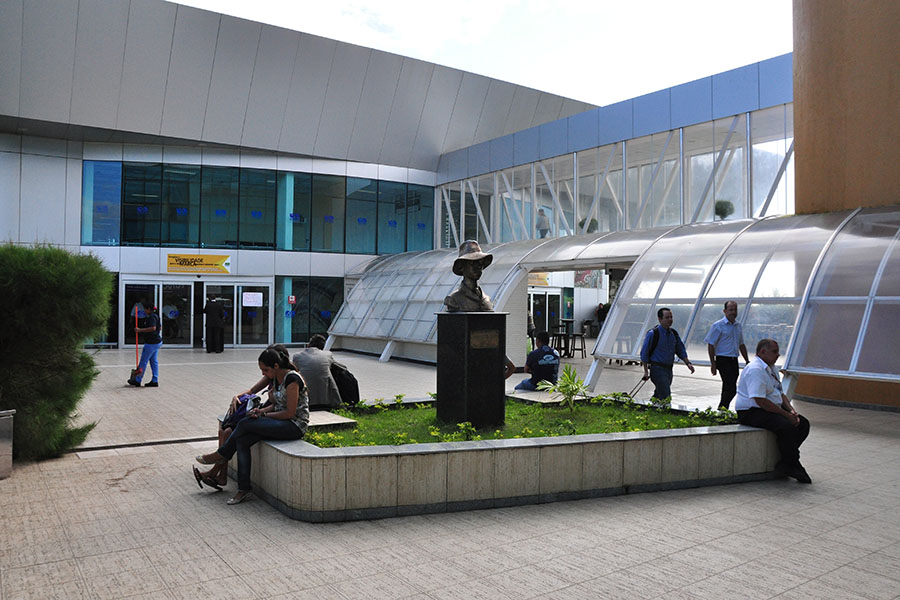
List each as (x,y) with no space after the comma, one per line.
(319,186)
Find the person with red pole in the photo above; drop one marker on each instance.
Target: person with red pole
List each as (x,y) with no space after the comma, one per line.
(150,353)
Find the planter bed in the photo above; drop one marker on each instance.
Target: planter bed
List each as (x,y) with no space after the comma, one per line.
(315,484)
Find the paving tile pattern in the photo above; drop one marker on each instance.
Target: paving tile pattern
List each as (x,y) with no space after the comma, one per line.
(130,523)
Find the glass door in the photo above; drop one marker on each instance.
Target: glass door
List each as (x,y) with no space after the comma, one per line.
(539,311)
(175,313)
(138,296)
(225,295)
(253,327)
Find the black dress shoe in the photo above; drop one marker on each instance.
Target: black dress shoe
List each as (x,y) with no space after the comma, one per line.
(152,384)
(800,474)
(134,383)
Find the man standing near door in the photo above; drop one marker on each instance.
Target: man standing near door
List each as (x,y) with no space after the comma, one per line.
(215,325)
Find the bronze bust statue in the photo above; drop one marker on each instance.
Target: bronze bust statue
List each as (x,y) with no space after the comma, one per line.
(468,297)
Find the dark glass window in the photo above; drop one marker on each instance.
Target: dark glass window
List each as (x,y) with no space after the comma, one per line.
(180,206)
(326,294)
(420,218)
(362,195)
(142,189)
(101,203)
(327,223)
(258,200)
(219,216)
(294,191)
(391,217)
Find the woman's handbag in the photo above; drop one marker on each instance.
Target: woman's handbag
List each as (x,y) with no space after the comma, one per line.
(245,404)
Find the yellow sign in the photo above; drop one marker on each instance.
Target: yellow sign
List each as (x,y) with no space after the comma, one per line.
(539,278)
(199,263)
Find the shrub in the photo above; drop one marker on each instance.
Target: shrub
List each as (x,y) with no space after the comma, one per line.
(51,301)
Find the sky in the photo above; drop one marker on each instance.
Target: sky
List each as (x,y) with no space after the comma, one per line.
(596,51)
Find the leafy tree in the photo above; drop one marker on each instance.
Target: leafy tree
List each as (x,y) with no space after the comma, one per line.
(724,208)
(51,301)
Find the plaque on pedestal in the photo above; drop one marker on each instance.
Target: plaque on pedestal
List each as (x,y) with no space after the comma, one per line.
(471,354)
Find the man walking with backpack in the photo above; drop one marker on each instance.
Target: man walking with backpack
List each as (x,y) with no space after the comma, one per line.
(661,345)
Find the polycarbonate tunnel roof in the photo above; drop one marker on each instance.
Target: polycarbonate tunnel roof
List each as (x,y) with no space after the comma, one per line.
(826,287)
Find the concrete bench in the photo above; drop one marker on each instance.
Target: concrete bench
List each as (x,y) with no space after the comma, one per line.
(315,484)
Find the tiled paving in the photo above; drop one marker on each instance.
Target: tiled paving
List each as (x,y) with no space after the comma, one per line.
(130,523)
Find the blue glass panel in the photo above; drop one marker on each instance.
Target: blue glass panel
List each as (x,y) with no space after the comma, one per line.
(362,197)
(420,218)
(219,202)
(141,203)
(180,206)
(391,217)
(101,202)
(327,225)
(258,202)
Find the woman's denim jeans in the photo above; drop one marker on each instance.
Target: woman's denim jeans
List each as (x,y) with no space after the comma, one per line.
(248,432)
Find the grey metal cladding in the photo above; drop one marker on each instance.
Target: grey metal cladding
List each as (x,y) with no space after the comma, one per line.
(521,111)
(470,102)
(190,72)
(229,89)
(496,110)
(406,112)
(573,107)
(270,86)
(439,102)
(99,54)
(48,45)
(307,96)
(148,45)
(378,92)
(342,100)
(548,109)
(11,12)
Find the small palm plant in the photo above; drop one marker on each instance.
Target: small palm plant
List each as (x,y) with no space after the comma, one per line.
(567,387)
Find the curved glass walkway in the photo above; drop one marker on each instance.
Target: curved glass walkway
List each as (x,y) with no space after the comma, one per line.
(826,286)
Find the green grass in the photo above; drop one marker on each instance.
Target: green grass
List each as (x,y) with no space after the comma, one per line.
(395,424)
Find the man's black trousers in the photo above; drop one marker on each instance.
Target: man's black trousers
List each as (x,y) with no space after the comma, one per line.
(727,366)
(787,435)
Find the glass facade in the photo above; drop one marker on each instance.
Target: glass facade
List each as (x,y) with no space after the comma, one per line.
(316,302)
(189,206)
(731,168)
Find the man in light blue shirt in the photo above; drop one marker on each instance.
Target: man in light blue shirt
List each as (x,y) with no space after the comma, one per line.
(723,342)
(661,345)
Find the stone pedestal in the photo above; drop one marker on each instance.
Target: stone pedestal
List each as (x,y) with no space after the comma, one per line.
(6,439)
(471,352)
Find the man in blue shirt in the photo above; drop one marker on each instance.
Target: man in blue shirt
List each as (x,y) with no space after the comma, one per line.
(543,363)
(661,345)
(723,342)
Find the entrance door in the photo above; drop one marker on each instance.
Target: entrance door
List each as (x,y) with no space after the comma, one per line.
(138,296)
(545,309)
(175,313)
(253,327)
(225,295)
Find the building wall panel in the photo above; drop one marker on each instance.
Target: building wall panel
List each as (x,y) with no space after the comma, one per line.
(148,44)
(43,196)
(497,106)
(229,89)
(190,72)
(48,45)
(378,93)
(11,13)
(467,110)
(99,55)
(548,109)
(307,96)
(583,130)
(10,169)
(342,100)
(521,110)
(439,102)
(270,87)
(406,112)
(735,91)
(691,103)
(652,113)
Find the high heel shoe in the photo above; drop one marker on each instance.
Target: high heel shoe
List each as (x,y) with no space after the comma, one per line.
(238,498)
(203,460)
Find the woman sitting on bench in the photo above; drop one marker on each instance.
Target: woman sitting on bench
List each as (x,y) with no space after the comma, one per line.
(285,419)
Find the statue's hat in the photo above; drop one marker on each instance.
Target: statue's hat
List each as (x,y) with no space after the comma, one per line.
(470,250)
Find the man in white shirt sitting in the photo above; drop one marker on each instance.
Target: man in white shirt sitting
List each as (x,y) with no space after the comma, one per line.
(761,403)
